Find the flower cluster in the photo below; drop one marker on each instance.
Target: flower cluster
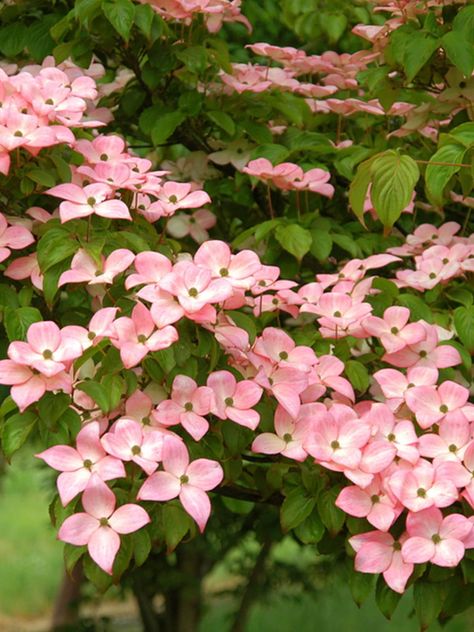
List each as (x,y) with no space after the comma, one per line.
(290,177)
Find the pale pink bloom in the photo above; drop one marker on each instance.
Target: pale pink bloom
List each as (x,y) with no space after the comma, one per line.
(316,181)
(449,444)
(188,406)
(100,524)
(195,225)
(399,432)
(13,238)
(238,269)
(422,487)
(195,288)
(139,407)
(28,386)
(338,437)
(100,327)
(177,195)
(374,503)
(285,384)
(267,278)
(78,464)
(108,148)
(136,336)
(128,442)
(235,400)
(339,314)
(432,538)
(93,198)
(85,269)
(327,374)
(150,268)
(24,268)
(393,329)
(187,481)
(46,350)
(378,552)
(26,130)
(426,235)
(275,346)
(236,153)
(467,475)
(428,352)
(246,78)
(290,433)
(394,384)
(428,274)
(433,404)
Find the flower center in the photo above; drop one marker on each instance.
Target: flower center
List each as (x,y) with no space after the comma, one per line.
(104,522)
(421,493)
(337,314)
(335,445)
(188,407)
(146,421)
(394,330)
(173,199)
(136,450)
(411,385)
(193,292)
(184,479)
(423,354)
(49,102)
(141,338)
(87,464)
(47,354)
(287,437)
(375,498)
(445,261)
(91,335)
(391,437)
(229,401)
(91,201)
(436,538)
(453,448)
(443,409)
(397,546)
(18,133)
(432,275)
(275,301)
(224,272)
(104,157)
(283,355)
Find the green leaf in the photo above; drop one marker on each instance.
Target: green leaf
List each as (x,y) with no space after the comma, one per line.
(272,152)
(176,524)
(141,546)
(464,134)
(359,187)
(464,324)
(40,176)
(419,310)
(428,602)
(39,41)
(393,181)
(464,23)
(311,530)
(99,578)
(17,321)
(295,508)
(244,322)
(459,51)
(361,585)
(321,244)
(437,176)
(294,239)
(386,598)
(144,15)
(13,39)
(358,375)
(332,517)
(120,13)
(165,125)
(222,120)
(419,48)
(194,58)
(52,406)
(97,392)
(56,245)
(16,431)
(72,554)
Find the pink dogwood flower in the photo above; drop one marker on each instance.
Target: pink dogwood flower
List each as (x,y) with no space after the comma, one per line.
(290,434)
(100,327)
(46,349)
(238,269)
(78,464)
(128,442)
(94,198)
(394,384)
(28,386)
(195,225)
(235,400)
(188,406)
(100,525)
(178,195)
(379,552)
(13,238)
(393,329)
(136,336)
(373,502)
(184,480)
(433,404)
(435,539)
(84,269)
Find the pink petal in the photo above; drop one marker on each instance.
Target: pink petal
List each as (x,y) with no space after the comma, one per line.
(103,546)
(268,443)
(98,500)
(62,458)
(128,518)
(448,553)
(205,474)
(197,504)
(78,529)
(418,550)
(160,486)
(112,209)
